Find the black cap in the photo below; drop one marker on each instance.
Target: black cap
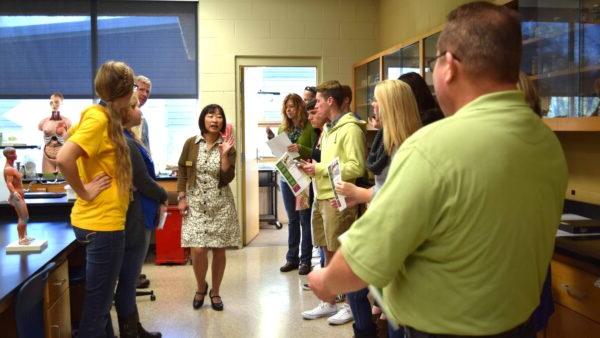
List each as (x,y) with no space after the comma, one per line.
(311,89)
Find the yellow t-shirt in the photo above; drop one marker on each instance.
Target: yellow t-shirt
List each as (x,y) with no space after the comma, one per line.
(107,211)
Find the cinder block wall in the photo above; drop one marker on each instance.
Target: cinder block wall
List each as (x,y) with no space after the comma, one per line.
(341,31)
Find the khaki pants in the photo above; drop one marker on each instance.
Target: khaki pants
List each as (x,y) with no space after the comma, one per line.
(328,223)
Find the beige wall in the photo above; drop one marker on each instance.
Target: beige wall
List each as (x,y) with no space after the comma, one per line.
(400,20)
(339,31)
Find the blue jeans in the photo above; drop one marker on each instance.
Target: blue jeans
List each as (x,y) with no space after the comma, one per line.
(361,311)
(128,278)
(399,333)
(299,224)
(104,254)
(322,258)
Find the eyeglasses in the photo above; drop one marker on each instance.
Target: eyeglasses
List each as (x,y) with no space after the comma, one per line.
(431,63)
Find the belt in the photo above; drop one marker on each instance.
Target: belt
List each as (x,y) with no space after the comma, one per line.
(524,330)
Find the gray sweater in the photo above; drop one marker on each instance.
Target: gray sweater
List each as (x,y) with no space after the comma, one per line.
(135,229)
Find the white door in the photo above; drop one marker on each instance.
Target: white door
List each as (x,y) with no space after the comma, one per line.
(251,144)
(256,106)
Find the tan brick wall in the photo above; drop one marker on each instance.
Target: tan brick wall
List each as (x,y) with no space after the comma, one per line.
(341,32)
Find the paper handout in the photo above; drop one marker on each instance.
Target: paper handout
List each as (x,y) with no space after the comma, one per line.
(295,178)
(279,145)
(335,175)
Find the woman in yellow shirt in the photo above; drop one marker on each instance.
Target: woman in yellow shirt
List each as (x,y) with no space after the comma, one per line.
(95,162)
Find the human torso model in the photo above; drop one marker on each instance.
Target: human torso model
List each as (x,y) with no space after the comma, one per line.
(55,131)
(16,197)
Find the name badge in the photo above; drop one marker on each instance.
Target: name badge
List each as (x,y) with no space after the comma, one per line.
(188,163)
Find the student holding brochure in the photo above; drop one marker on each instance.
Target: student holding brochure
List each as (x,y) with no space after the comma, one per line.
(302,136)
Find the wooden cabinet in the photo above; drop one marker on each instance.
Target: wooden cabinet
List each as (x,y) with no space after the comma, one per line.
(57,313)
(566,323)
(577,302)
(48,187)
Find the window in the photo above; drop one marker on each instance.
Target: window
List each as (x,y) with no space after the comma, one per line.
(47,47)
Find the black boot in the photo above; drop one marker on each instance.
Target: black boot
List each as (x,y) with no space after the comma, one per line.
(141,332)
(128,326)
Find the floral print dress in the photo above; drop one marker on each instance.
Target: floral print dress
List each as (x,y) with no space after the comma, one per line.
(212,220)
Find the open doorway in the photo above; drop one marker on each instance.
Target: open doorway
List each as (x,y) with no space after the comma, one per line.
(263,86)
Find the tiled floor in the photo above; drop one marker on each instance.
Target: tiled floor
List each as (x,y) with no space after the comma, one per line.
(259,300)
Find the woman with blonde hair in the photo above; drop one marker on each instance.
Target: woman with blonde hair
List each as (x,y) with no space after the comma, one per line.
(142,213)
(396,115)
(302,135)
(95,162)
(531,96)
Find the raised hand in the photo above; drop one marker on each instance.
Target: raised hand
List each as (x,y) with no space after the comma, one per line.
(226,146)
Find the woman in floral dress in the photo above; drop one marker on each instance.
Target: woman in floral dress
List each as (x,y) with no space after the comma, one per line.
(206,166)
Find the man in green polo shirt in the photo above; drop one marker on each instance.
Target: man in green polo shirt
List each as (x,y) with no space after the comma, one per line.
(461,234)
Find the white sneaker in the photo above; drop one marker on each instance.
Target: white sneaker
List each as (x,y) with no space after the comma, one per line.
(343,316)
(316,253)
(322,310)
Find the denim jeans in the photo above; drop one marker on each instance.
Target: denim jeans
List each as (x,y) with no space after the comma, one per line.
(361,311)
(128,278)
(104,254)
(398,333)
(299,232)
(322,256)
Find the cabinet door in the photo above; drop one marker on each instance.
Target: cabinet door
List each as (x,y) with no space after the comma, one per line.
(561,54)
(58,318)
(576,289)
(57,283)
(566,323)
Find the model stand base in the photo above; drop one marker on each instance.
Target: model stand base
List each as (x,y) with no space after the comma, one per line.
(37,245)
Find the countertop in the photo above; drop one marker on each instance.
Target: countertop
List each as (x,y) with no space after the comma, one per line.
(583,252)
(15,268)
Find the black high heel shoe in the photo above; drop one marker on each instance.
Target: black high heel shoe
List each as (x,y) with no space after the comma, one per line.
(216,306)
(199,302)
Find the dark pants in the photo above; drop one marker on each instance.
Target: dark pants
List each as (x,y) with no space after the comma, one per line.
(104,254)
(524,330)
(299,232)
(398,333)
(361,311)
(128,278)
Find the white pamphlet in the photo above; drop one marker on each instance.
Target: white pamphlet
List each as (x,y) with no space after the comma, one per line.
(279,145)
(295,178)
(335,175)
(161,220)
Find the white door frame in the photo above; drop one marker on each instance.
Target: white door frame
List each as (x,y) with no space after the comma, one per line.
(250,231)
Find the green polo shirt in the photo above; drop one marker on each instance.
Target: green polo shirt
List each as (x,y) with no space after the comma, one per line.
(462,232)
